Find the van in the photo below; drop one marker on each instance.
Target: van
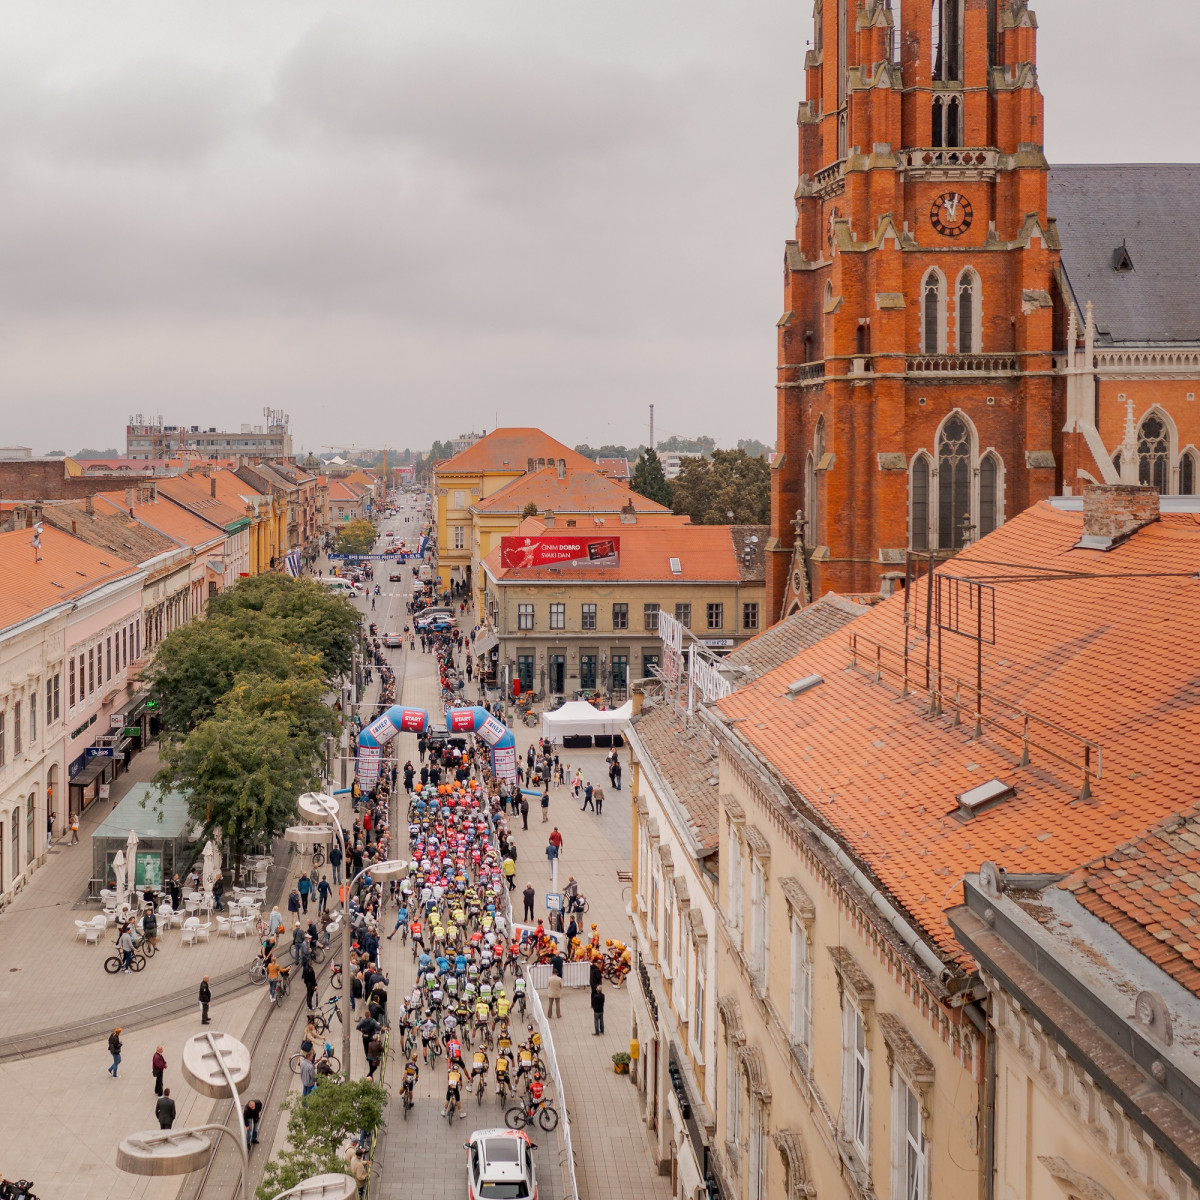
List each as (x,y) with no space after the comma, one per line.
(343,587)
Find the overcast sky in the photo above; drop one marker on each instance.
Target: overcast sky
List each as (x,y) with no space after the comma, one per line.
(400,221)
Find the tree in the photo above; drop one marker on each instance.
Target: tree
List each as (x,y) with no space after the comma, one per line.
(755,448)
(682,445)
(649,480)
(356,537)
(708,489)
(241,772)
(530,510)
(111,452)
(55,454)
(318,1125)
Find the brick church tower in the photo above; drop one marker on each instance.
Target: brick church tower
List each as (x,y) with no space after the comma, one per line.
(917,405)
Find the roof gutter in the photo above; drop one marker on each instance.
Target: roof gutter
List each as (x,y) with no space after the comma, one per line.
(920,949)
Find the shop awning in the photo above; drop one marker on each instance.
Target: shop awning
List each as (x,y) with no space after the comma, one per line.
(484,643)
(89,772)
(129,712)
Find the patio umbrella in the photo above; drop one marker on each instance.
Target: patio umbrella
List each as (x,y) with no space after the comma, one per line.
(131,861)
(118,866)
(209,873)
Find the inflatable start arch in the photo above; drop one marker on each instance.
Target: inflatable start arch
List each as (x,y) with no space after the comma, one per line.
(398,719)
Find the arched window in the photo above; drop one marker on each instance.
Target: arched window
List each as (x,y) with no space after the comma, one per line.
(1117,464)
(825,317)
(947,40)
(1154,452)
(946,122)
(989,494)
(954,484)
(931,314)
(919,503)
(964,325)
(810,502)
(1187,473)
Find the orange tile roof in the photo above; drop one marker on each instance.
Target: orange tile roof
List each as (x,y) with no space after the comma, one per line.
(575,491)
(1101,644)
(706,553)
(614,468)
(1148,890)
(195,492)
(339,490)
(182,525)
(68,568)
(510,450)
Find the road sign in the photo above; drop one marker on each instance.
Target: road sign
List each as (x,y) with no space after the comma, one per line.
(554,902)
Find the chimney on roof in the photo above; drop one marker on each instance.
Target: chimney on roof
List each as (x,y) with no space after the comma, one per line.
(154,493)
(212,486)
(562,468)
(628,514)
(130,498)
(89,505)
(548,518)
(1114,512)
(73,529)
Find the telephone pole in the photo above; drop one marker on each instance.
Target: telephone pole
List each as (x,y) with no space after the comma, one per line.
(652,427)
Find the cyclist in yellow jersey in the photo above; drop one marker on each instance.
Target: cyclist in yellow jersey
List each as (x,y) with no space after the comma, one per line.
(453,1093)
(479,1063)
(502,1068)
(502,1005)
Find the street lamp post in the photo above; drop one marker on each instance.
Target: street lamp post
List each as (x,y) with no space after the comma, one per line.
(317,804)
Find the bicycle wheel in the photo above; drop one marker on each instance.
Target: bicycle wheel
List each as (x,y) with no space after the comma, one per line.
(479,1090)
(335,1063)
(435,1049)
(318,855)
(258,971)
(320,1023)
(407,1103)
(113,965)
(294,1062)
(451,1113)
(548,1118)
(281,988)
(137,962)
(318,953)
(516,1117)
(149,949)
(335,980)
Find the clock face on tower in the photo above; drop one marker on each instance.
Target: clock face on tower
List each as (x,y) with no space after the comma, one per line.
(951,214)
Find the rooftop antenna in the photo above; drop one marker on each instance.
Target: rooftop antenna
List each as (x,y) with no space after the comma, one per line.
(652,427)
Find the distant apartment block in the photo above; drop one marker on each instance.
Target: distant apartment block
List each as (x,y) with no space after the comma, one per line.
(148,437)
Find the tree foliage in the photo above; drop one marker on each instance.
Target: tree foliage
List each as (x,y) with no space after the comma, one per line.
(754,447)
(597,452)
(423,470)
(530,510)
(356,537)
(708,489)
(319,1124)
(681,445)
(649,479)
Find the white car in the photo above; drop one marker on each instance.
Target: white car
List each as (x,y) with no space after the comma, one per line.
(500,1166)
(393,639)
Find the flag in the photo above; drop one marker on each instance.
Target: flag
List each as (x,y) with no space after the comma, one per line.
(292,562)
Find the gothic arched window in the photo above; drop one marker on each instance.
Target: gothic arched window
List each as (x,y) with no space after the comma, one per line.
(826,317)
(946,28)
(989,494)
(1187,473)
(1154,452)
(964,325)
(919,503)
(931,314)
(810,502)
(954,484)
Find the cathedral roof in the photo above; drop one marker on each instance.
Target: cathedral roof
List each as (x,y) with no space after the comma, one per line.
(1147,209)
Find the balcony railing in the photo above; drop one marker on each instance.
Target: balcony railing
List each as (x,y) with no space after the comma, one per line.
(936,160)
(963,364)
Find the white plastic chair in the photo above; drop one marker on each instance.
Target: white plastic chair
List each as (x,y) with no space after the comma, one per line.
(202,931)
(81,929)
(238,929)
(167,916)
(224,926)
(191,931)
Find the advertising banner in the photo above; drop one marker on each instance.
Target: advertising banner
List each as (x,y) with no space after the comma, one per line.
(382,729)
(560,550)
(504,763)
(491,731)
(413,720)
(462,720)
(670,631)
(369,760)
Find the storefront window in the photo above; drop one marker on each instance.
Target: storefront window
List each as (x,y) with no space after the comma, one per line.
(525,671)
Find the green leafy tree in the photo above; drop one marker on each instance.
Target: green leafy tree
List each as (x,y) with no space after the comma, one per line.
(423,471)
(85,453)
(241,772)
(299,612)
(682,445)
(754,447)
(318,1126)
(731,481)
(650,480)
(530,510)
(356,537)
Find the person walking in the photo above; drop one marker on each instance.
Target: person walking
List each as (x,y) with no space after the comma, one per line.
(251,1115)
(310,984)
(554,994)
(114,1048)
(358,1168)
(597,1012)
(323,890)
(335,862)
(164,1110)
(588,794)
(293,902)
(74,829)
(545,807)
(304,888)
(308,1074)
(557,839)
(528,896)
(158,1064)
(205,1000)
(50,829)
(551,858)
(598,796)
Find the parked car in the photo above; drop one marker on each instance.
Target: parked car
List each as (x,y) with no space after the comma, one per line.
(393,639)
(396,577)
(500,1165)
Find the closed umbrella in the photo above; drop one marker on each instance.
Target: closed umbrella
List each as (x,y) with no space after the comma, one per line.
(209,873)
(131,861)
(118,866)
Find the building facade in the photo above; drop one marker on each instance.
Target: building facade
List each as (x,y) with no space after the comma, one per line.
(150,438)
(569,630)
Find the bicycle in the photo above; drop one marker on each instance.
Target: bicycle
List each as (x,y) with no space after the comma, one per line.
(116,962)
(331,1060)
(322,1020)
(258,970)
(318,855)
(407,1097)
(522,1115)
(480,1088)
